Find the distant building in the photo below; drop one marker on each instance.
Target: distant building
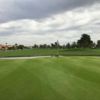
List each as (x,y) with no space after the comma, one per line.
(5,47)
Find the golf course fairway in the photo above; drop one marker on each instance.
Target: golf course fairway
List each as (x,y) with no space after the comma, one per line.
(62,78)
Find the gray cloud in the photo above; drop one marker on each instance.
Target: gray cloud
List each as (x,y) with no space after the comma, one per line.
(37,9)
(43,21)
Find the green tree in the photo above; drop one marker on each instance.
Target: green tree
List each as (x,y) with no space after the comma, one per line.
(85,41)
(74,45)
(68,45)
(98,44)
(21,47)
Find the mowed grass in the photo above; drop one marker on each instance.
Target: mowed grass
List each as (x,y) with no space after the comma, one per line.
(62,78)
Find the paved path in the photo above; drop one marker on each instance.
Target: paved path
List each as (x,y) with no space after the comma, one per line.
(8,58)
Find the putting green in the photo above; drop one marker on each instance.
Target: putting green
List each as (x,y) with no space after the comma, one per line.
(63,78)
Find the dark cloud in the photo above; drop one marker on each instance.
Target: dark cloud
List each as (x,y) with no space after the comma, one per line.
(37,9)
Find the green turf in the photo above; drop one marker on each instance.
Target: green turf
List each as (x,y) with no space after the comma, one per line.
(48,52)
(63,78)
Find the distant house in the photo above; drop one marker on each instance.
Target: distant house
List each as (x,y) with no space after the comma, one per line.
(4,47)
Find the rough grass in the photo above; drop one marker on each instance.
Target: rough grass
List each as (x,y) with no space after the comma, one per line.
(63,78)
(28,52)
(50,52)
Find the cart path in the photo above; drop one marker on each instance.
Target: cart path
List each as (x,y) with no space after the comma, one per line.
(11,58)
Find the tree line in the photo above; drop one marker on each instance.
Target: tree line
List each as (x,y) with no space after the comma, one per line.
(84,42)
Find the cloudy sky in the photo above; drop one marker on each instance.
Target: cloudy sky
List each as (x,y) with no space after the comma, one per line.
(45,21)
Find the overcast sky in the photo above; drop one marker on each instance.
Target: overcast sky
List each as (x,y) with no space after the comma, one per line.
(46,21)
